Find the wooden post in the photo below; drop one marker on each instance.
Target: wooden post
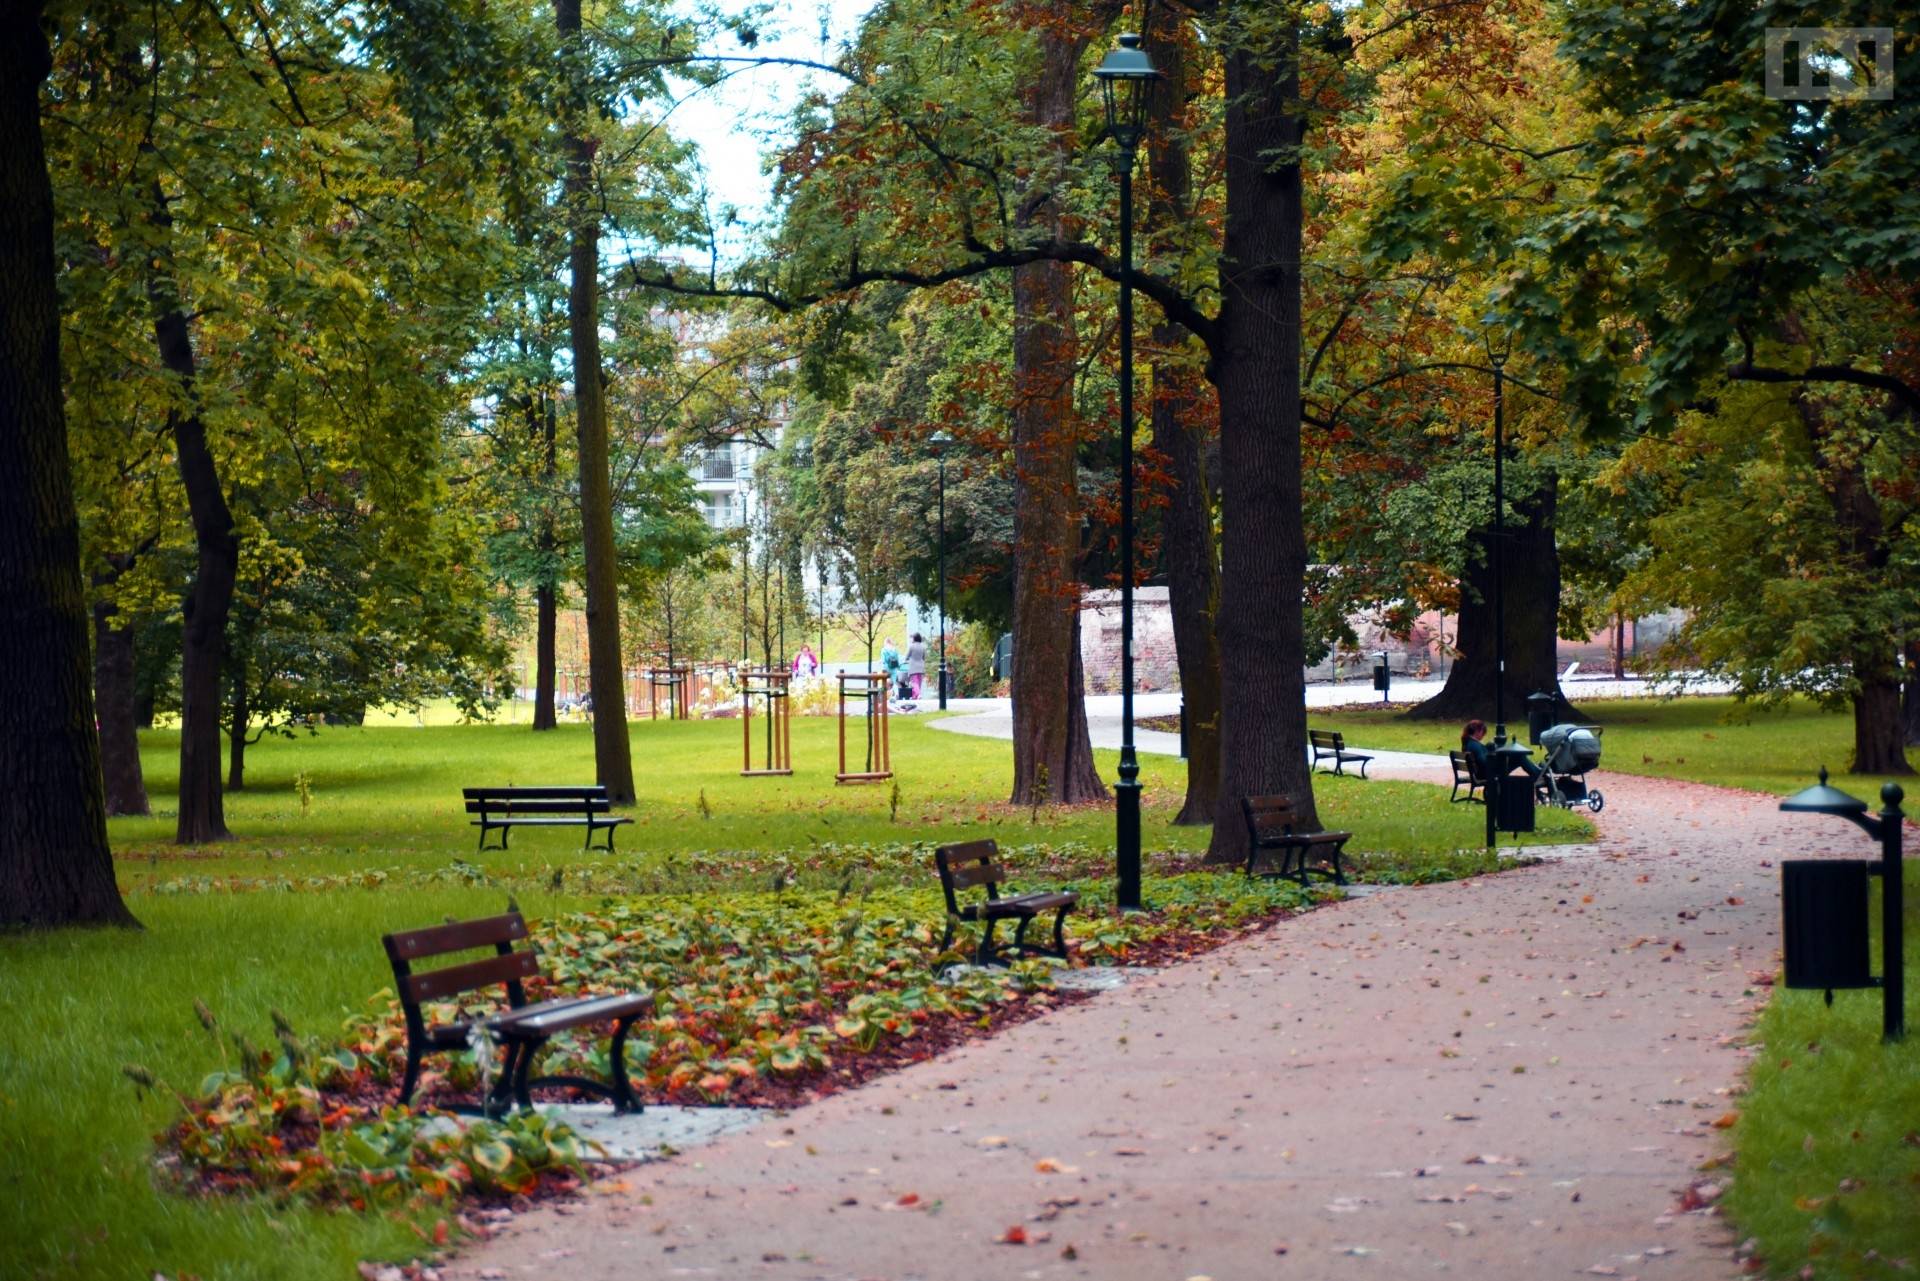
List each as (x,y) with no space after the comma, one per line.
(772,686)
(872,688)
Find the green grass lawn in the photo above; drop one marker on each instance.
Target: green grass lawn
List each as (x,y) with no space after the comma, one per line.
(390,797)
(1828,1140)
(286,917)
(1706,740)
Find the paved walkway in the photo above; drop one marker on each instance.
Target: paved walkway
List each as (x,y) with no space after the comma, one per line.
(1512,1077)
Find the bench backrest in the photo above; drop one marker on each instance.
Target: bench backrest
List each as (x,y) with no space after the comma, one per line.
(504,966)
(966,865)
(537,800)
(1328,739)
(1268,817)
(1466,766)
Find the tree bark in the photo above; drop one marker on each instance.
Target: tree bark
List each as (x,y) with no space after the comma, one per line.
(546,612)
(120,771)
(1052,753)
(202,816)
(1189,561)
(1532,567)
(606,677)
(1879,732)
(55,864)
(1256,367)
(545,623)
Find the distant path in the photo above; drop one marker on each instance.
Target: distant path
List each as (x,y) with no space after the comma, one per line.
(1510,1077)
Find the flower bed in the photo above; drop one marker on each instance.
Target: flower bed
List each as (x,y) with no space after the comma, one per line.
(766,998)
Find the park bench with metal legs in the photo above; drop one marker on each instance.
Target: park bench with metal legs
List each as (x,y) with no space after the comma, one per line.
(977,864)
(1270,824)
(502,809)
(1331,744)
(522,1029)
(1466,773)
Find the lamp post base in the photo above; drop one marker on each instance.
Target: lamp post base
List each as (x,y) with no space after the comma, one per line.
(1126,815)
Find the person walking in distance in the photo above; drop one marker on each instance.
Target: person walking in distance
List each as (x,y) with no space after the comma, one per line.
(916,664)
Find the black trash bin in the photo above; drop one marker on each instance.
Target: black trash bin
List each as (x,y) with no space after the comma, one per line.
(1539,716)
(1824,910)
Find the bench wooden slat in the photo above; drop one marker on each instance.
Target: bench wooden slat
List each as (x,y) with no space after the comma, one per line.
(547,1017)
(582,790)
(524,1029)
(455,979)
(518,807)
(975,864)
(459,936)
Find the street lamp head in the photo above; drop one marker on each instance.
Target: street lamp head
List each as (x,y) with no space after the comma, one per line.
(1821,799)
(938,443)
(1126,77)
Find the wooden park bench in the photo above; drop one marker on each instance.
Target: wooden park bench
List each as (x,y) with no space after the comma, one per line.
(1270,831)
(1332,744)
(977,863)
(521,1028)
(505,808)
(1466,773)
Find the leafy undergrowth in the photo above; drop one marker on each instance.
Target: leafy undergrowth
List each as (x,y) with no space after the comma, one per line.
(842,867)
(1827,1141)
(767,998)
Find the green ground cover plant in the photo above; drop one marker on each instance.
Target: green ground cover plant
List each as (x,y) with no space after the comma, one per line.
(1827,1142)
(1715,740)
(288,919)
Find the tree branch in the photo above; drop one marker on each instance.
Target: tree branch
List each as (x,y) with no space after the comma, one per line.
(1178,307)
(1901,390)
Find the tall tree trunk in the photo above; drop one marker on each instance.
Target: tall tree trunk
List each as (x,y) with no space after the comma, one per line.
(126,785)
(606,678)
(1532,566)
(1879,735)
(545,621)
(1182,421)
(1879,738)
(238,713)
(1052,754)
(1256,367)
(202,815)
(546,611)
(55,865)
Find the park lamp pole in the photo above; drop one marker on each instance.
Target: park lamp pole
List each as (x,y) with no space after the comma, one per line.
(939,442)
(1126,77)
(1499,359)
(746,551)
(1886,828)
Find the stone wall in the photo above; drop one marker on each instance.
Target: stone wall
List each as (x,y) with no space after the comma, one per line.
(1155,665)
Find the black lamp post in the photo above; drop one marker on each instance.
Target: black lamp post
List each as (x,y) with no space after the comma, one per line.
(1510,812)
(1825,907)
(939,442)
(1126,79)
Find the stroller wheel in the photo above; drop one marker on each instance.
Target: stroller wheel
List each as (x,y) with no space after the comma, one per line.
(1595,801)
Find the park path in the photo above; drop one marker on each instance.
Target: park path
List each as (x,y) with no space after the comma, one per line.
(1508,1077)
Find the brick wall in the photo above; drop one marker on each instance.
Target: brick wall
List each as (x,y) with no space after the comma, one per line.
(1155,665)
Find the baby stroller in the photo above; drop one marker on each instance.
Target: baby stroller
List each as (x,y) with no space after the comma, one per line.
(1571,751)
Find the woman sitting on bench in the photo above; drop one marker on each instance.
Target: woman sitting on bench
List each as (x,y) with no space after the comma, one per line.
(1473,742)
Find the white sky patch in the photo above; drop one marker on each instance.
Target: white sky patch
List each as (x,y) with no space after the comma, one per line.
(738,122)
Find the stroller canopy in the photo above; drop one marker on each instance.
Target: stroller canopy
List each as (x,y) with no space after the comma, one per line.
(1571,749)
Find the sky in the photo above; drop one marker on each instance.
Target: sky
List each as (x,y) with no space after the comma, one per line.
(735,122)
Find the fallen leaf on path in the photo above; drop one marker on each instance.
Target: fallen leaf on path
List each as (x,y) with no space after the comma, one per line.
(993,1141)
(1015,1235)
